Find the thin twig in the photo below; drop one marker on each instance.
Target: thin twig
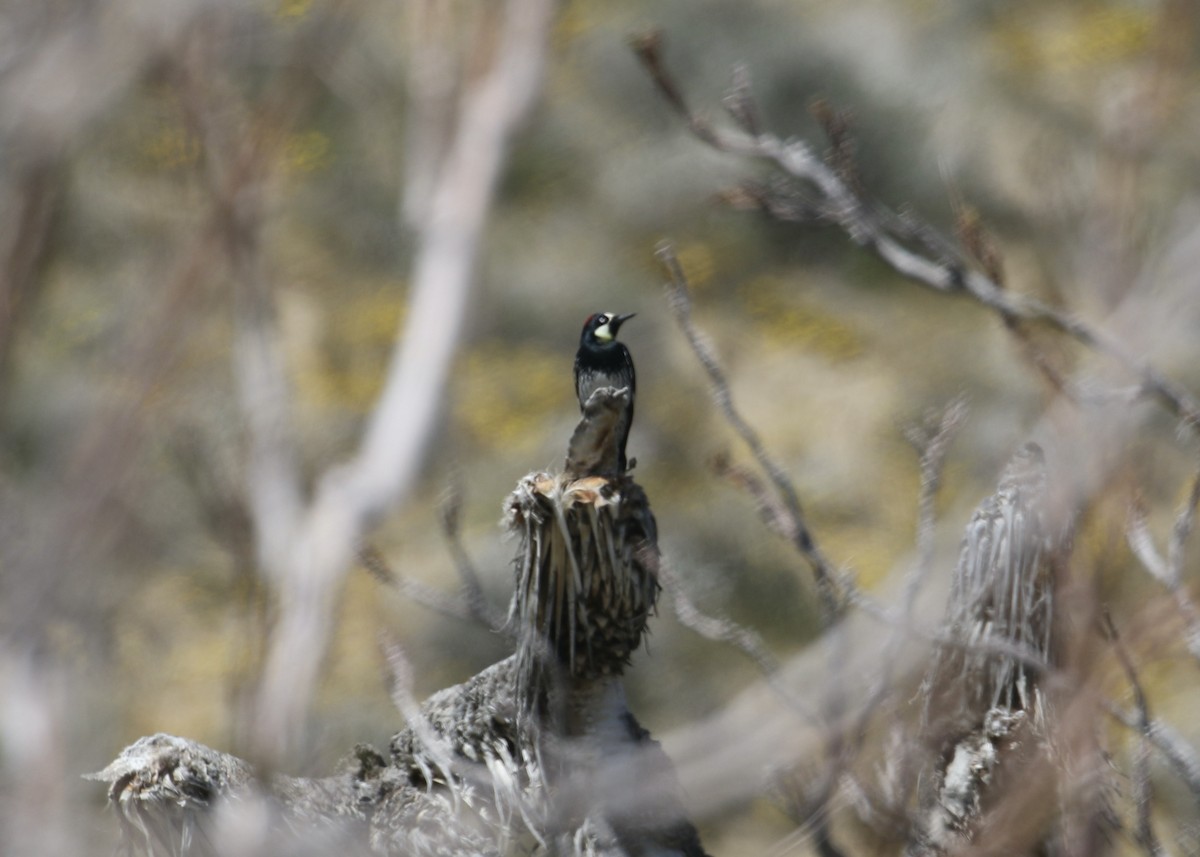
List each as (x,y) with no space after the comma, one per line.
(439,751)
(868,227)
(472,589)
(1176,749)
(739,102)
(932,441)
(771,507)
(445,603)
(837,125)
(780,509)
(1142,796)
(1169,571)
(979,246)
(786,515)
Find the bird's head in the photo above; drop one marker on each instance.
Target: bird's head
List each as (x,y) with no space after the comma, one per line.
(601,327)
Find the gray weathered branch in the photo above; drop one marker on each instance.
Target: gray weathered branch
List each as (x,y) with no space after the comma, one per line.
(381,473)
(914,250)
(781,509)
(990,707)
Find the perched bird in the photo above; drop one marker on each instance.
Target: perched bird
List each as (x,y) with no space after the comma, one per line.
(603,362)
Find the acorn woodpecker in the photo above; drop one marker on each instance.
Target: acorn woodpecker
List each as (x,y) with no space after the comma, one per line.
(603,362)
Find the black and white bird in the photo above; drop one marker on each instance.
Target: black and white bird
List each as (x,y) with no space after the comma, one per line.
(603,362)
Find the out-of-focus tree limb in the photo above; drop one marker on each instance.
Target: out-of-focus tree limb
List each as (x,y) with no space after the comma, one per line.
(30,205)
(449,516)
(931,440)
(1142,798)
(237,168)
(62,66)
(1169,571)
(304,549)
(454,605)
(349,498)
(1181,755)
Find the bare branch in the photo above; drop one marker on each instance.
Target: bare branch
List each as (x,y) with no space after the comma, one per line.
(382,472)
(837,125)
(1180,754)
(29,213)
(872,227)
(932,441)
(1142,797)
(432,77)
(979,246)
(472,590)
(445,603)
(785,517)
(1169,572)
(1137,534)
(648,48)
(236,170)
(739,102)
(1185,519)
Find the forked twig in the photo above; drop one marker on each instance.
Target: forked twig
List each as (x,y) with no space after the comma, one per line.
(1169,571)
(781,510)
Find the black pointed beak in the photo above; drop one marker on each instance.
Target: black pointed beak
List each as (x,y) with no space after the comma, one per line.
(619,320)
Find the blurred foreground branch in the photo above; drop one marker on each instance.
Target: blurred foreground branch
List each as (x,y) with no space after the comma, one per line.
(984,713)
(1169,572)
(349,498)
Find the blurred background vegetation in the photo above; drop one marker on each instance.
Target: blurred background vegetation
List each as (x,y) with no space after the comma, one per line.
(1070,126)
